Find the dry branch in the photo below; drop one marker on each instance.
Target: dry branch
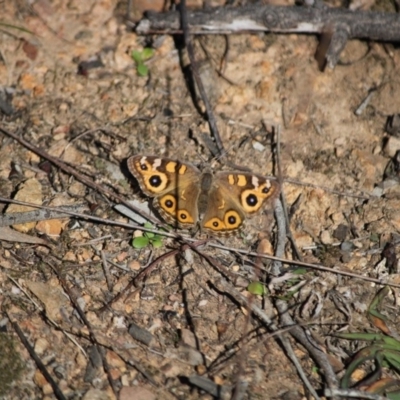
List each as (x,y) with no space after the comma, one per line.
(40,215)
(360,24)
(337,24)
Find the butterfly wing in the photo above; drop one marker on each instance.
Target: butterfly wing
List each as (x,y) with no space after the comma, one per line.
(233,197)
(174,185)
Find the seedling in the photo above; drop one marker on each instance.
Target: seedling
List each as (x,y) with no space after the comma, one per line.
(147,239)
(383,351)
(140,57)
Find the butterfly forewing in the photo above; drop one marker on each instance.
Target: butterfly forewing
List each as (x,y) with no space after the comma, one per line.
(175,187)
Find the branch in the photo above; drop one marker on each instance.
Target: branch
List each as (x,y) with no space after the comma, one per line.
(338,24)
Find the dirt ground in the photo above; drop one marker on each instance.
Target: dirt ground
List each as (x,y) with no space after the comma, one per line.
(70,87)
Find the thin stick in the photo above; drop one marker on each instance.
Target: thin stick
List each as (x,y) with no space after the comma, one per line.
(283,204)
(82,315)
(106,270)
(223,285)
(210,115)
(353,393)
(88,182)
(147,271)
(212,244)
(39,215)
(54,323)
(56,389)
(277,267)
(296,331)
(326,189)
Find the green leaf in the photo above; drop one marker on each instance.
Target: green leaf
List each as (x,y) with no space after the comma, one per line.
(150,235)
(157,243)
(257,288)
(137,56)
(147,53)
(142,70)
(140,242)
(148,225)
(375,303)
(20,28)
(393,396)
(391,343)
(359,336)
(392,358)
(364,355)
(300,271)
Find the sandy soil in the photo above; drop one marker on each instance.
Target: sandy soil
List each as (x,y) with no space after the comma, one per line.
(342,211)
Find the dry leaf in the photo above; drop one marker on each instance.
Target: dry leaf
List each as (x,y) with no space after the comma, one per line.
(29,191)
(52,298)
(10,235)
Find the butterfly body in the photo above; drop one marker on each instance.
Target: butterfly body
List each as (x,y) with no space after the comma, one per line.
(183,194)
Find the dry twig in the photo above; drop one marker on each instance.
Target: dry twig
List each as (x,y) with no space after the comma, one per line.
(187,240)
(81,178)
(336,25)
(210,114)
(56,389)
(286,320)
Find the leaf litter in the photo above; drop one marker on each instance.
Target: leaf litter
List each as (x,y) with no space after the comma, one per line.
(154,115)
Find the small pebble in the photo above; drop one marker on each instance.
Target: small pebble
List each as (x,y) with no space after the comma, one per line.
(326,237)
(41,346)
(134,265)
(258,146)
(347,246)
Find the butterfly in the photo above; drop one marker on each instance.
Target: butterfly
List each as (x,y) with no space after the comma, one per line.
(184,196)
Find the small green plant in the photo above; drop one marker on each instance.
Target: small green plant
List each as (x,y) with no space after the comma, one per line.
(257,287)
(147,239)
(140,57)
(383,351)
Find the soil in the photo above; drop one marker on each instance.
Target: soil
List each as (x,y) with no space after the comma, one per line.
(69,86)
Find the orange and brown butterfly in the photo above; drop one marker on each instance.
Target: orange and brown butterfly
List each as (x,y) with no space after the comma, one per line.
(184,195)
